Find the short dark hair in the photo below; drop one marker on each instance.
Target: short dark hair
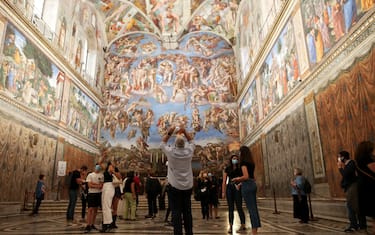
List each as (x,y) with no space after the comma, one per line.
(41,176)
(345,154)
(84,168)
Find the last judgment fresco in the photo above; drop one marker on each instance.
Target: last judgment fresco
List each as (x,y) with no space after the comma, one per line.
(149,88)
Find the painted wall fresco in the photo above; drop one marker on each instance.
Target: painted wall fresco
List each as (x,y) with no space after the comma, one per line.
(24,154)
(149,88)
(75,24)
(249,110)
(345,112)
(279,73)
(254,23)
(326,22)
(83,114)
(27,75)
(288,147)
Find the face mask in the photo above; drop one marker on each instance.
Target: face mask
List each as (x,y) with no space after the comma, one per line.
(234,161)
(98,168)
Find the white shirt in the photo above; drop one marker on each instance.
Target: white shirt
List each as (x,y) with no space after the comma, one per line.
(96,178)
(180,172)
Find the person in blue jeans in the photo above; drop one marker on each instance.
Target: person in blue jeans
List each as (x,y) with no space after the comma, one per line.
(232,191)
(249,187)
(77,178)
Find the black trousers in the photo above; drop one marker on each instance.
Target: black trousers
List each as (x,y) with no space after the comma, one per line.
(300,208)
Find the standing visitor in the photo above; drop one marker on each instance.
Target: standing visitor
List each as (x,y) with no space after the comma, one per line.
(347,170)
(108,192)
(204,196)
(95,184)
(249,187)
(300,207)
(232,192)
(84,191)
(129,197)
(364,156)
(117,183)
(152,190)
(137,184)
(213,200)
(77,178)
(40,191)
(180,178)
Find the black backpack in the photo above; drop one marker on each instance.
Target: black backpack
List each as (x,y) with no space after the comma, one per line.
(307,186)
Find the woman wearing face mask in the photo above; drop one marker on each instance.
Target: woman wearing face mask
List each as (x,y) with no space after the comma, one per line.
(204,186)
(232,191)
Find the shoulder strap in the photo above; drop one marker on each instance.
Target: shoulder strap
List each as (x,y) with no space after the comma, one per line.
(363,172)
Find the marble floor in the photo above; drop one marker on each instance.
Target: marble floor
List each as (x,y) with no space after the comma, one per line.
(276,224)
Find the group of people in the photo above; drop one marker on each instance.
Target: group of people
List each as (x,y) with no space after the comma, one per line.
(207,194)
(358,183)
(239,183)
(104,187)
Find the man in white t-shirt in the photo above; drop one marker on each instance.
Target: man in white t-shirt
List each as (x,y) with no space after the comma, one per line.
(95,183)
(180,178)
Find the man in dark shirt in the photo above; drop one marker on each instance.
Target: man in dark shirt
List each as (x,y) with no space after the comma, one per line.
(347,169)
(77,178)
(152,190)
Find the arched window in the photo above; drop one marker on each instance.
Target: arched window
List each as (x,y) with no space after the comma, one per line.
(62,33)
(77,58)
(45,16)
(38,8)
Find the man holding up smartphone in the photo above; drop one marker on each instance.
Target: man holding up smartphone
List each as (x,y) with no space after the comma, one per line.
(347,169)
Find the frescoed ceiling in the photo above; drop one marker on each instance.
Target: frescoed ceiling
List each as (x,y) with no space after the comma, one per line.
(172,18)
(170,63)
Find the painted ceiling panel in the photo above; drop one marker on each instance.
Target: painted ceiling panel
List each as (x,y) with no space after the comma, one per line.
(204,45)
(216,16)
(168,17)
(126,19)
